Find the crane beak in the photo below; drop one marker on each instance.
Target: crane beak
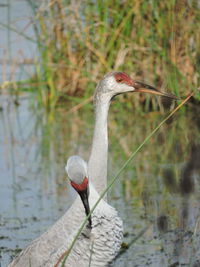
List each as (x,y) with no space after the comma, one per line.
(84,197)
(83,191)
(145,88)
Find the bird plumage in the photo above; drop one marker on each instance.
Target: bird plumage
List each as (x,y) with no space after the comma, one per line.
(101,243)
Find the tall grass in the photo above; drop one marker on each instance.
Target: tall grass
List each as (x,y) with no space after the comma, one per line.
(78,41)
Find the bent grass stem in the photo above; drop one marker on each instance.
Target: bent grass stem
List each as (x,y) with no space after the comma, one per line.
(119,173)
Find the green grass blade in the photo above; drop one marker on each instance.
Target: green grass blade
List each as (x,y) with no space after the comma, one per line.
(120,172)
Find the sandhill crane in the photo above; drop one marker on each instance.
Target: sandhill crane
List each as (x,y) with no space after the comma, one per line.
(105,233)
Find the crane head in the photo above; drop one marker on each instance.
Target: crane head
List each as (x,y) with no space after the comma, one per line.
(115,83)
(76,169)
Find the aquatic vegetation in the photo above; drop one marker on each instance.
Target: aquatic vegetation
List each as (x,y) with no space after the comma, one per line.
(78,41)
(82,40)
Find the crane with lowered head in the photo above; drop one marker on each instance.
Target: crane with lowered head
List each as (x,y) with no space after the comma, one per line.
(100,241)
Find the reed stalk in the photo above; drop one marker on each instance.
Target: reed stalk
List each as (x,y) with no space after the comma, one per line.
(117,176)
(78,41)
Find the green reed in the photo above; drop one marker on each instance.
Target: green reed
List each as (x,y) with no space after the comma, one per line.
(78,43)
(153,41)
(117,176)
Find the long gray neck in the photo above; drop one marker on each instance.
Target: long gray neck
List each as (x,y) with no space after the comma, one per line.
(97,166)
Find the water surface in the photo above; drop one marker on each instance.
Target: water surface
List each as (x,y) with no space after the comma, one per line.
(157,196)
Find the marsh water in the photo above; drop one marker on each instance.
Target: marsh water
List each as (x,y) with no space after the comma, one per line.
(157,196)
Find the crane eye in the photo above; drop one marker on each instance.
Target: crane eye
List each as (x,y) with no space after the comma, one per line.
(119,80)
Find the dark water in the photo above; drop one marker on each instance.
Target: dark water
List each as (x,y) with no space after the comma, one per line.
(157,196)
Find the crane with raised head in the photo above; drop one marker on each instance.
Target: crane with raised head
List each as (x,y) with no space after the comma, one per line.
(100,240)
